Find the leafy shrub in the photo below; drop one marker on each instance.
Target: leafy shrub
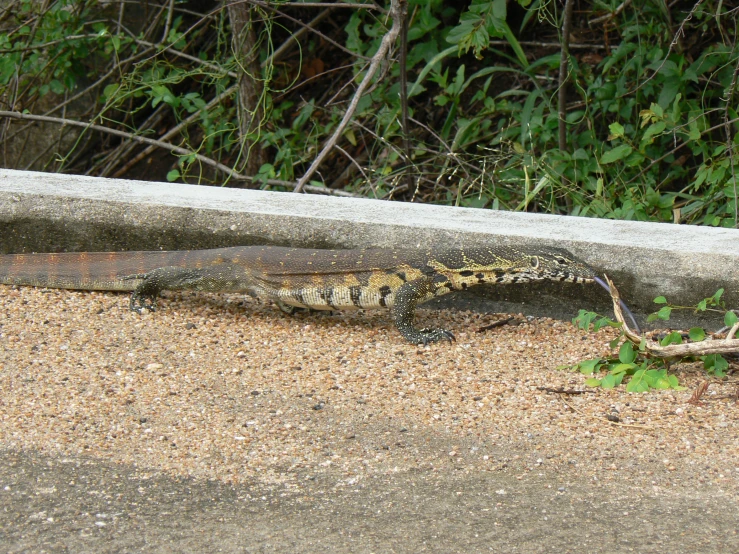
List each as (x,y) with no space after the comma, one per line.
(651,122)
(635,367)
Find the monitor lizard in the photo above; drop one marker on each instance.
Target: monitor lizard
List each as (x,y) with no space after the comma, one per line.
(301,278)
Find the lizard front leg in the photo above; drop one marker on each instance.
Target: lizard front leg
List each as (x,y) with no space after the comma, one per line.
(406,299)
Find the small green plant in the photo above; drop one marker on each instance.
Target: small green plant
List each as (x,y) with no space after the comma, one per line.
(645,372)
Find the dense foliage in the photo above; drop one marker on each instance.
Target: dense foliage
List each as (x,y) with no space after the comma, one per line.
(651,100)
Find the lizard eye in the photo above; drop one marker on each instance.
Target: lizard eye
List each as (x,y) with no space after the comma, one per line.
(560,260)
(534,260)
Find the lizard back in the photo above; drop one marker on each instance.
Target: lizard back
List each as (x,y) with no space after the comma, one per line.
(307,278)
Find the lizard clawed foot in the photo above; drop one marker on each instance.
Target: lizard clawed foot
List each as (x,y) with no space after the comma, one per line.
(141,301)
(144,296)
(429,335)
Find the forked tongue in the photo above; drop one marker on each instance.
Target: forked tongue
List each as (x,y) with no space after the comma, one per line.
(624,307)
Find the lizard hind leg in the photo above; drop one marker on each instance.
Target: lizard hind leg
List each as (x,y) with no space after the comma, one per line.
(144,296)
(404,308)
(287,308)
(207,279)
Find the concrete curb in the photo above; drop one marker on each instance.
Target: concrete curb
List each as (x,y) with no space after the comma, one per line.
(53,212)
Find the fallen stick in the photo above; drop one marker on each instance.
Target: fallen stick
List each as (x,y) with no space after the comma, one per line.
(719,346)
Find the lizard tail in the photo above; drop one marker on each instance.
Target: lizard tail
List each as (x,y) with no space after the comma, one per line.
(84,270)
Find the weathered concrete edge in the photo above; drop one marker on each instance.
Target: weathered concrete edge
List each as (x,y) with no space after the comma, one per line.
(648,259)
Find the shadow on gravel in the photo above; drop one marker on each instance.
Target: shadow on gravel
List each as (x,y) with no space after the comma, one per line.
(63,504)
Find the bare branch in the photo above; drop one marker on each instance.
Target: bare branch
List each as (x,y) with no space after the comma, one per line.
(172,148)
(328,39)
(145,140)
(678,34)
(360,6)
(695,398)
(387,41)
(276,55)
(673,350)
(175,130)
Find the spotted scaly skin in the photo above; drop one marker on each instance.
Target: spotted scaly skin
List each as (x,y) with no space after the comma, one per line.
(301,278)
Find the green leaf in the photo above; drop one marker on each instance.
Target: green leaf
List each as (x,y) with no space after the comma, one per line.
(56,86)
(513,41)
(651,131)
(676,107)
(730,319)
(674,383)
(588,367)
(672,338)
(694,132)
(638,382)
(499,9)
(616,154)
(660,300)
(470,33)
(110,90)
(622,368)
(664,313)
(592,382)
(583,319)
(657,109)
(697,334)
(609,381)
(617,130)
(626,353)
(657,378)
(173,175)
(606,321)
(715,364)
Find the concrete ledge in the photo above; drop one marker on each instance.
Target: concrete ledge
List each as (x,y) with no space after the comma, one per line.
(53,212)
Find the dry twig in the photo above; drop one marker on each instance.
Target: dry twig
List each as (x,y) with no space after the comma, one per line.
(387,41)
(721,346)
(695,398)
(495,324)
(562,390)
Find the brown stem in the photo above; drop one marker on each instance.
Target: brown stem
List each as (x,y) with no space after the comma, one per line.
(246,53)
(387,41)
(563,67)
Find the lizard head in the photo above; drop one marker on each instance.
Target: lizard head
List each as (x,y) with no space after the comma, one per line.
(555,264)
(506,264)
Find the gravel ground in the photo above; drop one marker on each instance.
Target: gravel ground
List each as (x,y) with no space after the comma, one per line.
(217,387)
